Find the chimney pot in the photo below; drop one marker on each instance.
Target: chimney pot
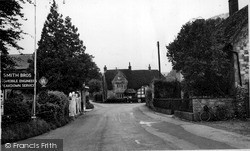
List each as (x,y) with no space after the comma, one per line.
(149,67)
(129,67)
(233,6)
(105,68)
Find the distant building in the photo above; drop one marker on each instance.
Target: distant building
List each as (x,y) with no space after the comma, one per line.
(22,61)
(119,81)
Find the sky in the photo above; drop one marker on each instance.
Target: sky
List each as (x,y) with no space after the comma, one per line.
(117,32)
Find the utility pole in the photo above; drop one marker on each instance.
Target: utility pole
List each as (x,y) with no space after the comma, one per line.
(159,60)
(35,57)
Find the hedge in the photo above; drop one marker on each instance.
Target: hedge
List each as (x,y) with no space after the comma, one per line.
(167,89)
(174,104)
(53,107)
(52,112)
(24,130)
(16,110)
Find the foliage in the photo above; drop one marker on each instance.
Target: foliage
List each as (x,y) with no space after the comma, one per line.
(16,110)
(172,76)
(167,89)
(23,130)
(10,29)
(242,96)
(149,97)
(53,107)
(174,104)
(198,53)
(94,85)
(89,105)
(111,95)
(61,56)
(98,97)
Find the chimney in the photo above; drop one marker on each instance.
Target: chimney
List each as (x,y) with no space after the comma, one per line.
(233,6)
(129,67)
(105,68)
(149,67)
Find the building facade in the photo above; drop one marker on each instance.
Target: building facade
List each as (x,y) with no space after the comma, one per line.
(117,83)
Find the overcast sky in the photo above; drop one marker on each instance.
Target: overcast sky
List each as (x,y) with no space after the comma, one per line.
(117,32)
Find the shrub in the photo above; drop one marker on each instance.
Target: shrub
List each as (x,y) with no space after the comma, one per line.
(167,89)
(89,106)
(53,107)
(242,96)
(98,97)
(24,130)
(16,110)
(149,97)
(111,95)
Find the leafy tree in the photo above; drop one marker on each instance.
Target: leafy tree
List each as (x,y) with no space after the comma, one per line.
(95,85)
(10,31)
(198,53)
(61,55)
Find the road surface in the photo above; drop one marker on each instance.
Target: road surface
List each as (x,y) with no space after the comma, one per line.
(118,127)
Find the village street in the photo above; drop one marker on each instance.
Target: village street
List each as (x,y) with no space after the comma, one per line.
(135,127)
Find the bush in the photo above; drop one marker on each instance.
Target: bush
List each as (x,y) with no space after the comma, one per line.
(53,107)
(149,97)
(167,89)
(111,95)
(98,97)
(16,110)
(24,130)
(89,106)
(242,96)
(52,112)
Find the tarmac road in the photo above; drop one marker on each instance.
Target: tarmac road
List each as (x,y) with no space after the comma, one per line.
(118,127)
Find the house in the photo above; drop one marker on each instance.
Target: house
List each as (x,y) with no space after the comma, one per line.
(118,82)
(22,61)
(235,29)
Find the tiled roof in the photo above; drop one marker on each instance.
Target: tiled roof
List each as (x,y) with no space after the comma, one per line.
(21,60)
(136,78)
(234,24)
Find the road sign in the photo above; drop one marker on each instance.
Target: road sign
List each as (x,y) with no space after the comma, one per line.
(43,81)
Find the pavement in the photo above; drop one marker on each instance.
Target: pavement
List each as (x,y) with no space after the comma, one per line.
(230,138)
(122,127)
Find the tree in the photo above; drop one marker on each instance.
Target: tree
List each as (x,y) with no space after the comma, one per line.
(95,85)
(61,55)
(198,53)
(10,31)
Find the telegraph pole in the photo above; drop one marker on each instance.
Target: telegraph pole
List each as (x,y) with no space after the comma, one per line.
(159,60)
(35,57)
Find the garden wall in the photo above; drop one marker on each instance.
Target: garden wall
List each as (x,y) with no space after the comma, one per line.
(198,104)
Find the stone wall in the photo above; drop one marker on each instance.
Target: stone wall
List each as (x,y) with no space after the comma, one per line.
(210,102)
(241,46)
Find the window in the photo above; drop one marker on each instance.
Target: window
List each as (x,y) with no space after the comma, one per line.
(119,85)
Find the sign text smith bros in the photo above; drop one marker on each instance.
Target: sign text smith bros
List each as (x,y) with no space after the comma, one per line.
(17,80)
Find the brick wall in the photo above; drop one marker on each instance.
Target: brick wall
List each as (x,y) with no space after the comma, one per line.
(199,103)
